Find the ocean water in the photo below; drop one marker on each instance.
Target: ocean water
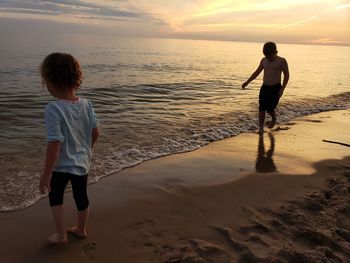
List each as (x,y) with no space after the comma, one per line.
(154,97)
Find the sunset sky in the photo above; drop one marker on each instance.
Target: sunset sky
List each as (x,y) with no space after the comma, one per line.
(287,21)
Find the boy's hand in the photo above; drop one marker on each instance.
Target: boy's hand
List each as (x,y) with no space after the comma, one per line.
(245,84)
(44,184)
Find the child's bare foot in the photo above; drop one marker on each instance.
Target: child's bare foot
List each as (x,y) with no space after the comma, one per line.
(57,239)
(77,233)
(271,124)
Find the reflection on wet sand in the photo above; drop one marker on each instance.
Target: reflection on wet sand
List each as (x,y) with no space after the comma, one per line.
(264,161)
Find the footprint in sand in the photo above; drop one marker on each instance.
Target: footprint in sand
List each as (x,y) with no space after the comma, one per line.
(89,250)
(194,250)
(347,174)
(255,227)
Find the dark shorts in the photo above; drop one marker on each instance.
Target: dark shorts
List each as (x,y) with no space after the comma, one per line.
(58,184)
(268,97)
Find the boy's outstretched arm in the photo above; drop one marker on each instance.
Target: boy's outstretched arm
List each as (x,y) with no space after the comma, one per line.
(254,75)
(52,152)
(285,71)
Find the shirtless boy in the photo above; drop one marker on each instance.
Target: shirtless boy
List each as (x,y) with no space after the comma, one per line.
(271,90)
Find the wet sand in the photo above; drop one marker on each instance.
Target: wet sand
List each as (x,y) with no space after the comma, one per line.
(282,197)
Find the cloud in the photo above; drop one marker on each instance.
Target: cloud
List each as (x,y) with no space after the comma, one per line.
(73,8)
(213,19)
(342,6)
(296,23)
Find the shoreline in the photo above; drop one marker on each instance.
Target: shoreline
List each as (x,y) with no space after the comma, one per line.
(114,162)
(211,204)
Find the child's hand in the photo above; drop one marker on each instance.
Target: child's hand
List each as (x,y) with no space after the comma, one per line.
(44,184)
(245,84)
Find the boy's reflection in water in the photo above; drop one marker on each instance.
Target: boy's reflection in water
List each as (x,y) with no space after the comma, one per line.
(264,161)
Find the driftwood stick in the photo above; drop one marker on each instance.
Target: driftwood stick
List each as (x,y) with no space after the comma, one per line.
(344,144)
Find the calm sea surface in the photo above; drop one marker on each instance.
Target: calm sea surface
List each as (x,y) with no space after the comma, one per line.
(153,97)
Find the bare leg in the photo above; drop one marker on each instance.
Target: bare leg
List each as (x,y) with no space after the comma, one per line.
(80,229)
(60,237)
(261,121)
(273,121)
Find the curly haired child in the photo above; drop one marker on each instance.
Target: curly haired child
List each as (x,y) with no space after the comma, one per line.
(72,130)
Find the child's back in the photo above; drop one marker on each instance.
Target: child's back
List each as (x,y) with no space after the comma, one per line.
(76,121)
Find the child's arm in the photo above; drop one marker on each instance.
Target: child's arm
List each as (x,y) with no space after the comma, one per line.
(254,75)
(52,152)
(94,136)
(285,71)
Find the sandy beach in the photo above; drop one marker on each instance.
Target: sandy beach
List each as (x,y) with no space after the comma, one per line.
(280,197)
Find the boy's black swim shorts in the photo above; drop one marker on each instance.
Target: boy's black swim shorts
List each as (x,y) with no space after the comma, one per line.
(268,97)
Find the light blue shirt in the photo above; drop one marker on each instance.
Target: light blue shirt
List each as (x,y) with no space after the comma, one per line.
(71,124)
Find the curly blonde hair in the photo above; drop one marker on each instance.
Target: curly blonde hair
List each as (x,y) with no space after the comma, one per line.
(62,70)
